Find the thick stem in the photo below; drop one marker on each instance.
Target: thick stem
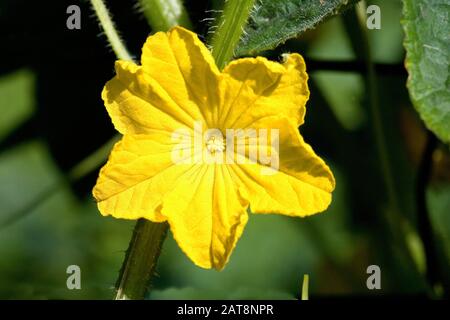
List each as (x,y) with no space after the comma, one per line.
(140,259)
(111,33)
(229,31)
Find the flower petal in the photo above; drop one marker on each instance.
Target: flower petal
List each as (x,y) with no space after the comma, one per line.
(258,88)
(206,214)
(138,173)
(301,185)
(185,69)
(138,105)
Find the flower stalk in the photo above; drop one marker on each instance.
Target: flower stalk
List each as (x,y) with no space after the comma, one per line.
(140,260)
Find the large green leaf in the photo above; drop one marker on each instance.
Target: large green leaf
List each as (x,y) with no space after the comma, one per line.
(272,22)
(427,42)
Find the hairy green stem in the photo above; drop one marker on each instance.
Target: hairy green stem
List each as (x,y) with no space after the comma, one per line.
(110,31)
(229,30)
(164,14)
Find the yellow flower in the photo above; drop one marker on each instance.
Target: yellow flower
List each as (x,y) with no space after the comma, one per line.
(177,93)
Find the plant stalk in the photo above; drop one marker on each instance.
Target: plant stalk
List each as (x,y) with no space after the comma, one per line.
(230,29)
(140,260)
(110,31)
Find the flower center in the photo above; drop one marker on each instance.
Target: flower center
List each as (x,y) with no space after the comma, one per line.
(215,143)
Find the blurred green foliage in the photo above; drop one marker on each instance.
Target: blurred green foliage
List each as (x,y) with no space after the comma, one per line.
(16,90)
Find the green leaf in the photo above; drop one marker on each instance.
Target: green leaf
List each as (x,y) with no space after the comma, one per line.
(272,22)
(427,24)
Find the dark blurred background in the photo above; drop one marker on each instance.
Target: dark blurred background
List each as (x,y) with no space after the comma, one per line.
(52,117)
